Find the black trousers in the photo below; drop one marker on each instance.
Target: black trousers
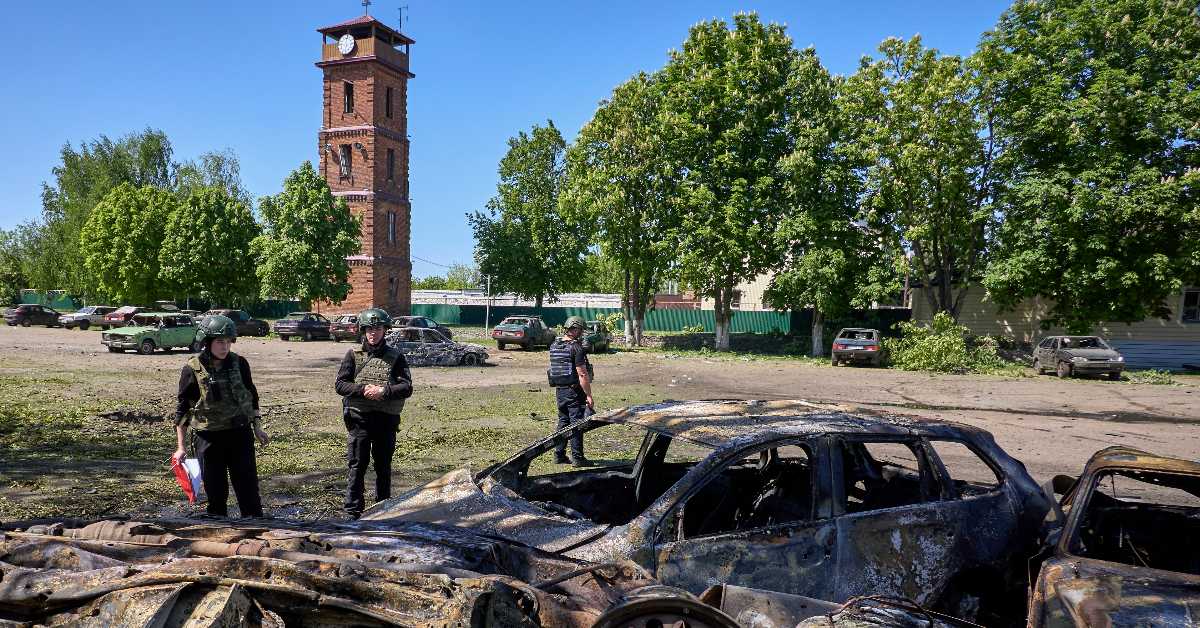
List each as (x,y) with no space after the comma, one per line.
(228,456)
(370,437)
(572,408)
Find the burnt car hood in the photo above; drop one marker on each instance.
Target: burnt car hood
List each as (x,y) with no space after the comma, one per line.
(455,499)
(1098,593)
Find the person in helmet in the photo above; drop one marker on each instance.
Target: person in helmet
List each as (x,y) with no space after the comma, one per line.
(218,401)
(570,374)
(373,381)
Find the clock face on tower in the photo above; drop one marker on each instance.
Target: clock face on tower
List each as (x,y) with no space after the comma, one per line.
(346,44)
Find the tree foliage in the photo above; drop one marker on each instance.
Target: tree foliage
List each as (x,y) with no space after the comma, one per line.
(523,242)
(307,236)
(121,240)
(205,245)
(923,129)
(458,277)
(214,169)
(12,267)
(730,97)
(621,183)
(81,181)
(1097,110)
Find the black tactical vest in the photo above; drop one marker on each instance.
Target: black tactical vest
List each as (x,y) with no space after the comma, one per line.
(375,371)
(224,402)
(562,368)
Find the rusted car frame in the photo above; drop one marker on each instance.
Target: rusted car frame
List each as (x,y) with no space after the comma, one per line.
(277,573)
(850,526)
(1128,551)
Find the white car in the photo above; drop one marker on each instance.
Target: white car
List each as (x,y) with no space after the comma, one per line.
(87,316)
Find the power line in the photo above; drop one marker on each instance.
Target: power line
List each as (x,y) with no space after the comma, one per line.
(422,259)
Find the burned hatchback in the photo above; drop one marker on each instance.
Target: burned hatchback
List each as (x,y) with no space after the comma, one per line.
(782,495)
(1128,553)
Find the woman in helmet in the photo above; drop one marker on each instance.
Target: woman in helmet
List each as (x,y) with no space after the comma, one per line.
(218,400)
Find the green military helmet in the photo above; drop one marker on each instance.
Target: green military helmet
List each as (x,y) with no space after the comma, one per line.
(218,326)
(575,322)
(374,317)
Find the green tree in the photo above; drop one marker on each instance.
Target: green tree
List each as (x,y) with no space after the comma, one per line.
(432,282)
(601,274)
(620,182)
(206,248)
(1097,110)
(216,169)
(730,97)
(523,242)
(922,125)
(12,268)
(307,236)
(836,258)
(81,181)
(121,240)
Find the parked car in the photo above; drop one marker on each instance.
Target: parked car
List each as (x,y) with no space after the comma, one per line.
(120,316)
(166,306)
(86,316)
(526,331)
(152,330)
(597,339)
(28,314)
(781,495)
(345,327)
(246,324)
(428,347)
(858,346)
(1069,356)
(1128,550)
(423,322)
(306,325)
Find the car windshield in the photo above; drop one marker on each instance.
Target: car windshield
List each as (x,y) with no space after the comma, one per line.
(618,488)
(127,309)
(857,334)
(86,310)
(1083,342)
(145,321)
(297,316)
(1141,518)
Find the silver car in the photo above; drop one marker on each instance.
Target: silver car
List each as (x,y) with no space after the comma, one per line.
(1069,356)
(87,316)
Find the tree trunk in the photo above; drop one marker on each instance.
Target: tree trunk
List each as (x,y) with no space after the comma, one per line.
(538,302)
(627,310)
(818,333)
(723,315)
(639,325)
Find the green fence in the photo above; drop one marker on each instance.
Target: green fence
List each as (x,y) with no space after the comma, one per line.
(656,320)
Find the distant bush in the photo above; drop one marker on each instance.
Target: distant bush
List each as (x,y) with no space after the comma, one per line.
(944,346)
(693,329)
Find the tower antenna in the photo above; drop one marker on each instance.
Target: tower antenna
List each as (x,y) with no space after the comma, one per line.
(366,4)
(401,10)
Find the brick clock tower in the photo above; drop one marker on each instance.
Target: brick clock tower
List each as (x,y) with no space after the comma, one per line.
(363,144)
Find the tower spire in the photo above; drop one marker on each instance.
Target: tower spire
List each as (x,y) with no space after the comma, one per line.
(366,4)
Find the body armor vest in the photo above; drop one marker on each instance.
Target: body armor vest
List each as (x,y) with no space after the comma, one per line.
(562,371)
(224,402)
(376,371)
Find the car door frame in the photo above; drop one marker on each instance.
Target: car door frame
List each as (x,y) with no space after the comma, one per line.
(896,550)
(814,541)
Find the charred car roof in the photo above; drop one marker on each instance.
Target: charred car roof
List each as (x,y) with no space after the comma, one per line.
(716,423)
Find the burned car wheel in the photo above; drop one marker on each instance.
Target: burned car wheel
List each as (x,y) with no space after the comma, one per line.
(1064,370)
(470,359)
(665,612)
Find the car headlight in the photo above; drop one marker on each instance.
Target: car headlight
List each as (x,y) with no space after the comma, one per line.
(1119,358)
(1079,359)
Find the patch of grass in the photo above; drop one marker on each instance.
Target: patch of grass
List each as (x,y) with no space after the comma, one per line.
(1151,376)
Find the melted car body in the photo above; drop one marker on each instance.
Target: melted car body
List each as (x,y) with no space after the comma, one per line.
(1128,552)
(428,347)
(782,495)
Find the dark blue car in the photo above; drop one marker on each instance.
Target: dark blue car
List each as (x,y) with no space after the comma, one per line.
(306,325)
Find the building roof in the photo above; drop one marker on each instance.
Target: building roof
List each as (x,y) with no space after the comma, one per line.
(367,20)
(727,422)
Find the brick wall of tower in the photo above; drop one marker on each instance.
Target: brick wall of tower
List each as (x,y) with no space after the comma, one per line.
(382,275)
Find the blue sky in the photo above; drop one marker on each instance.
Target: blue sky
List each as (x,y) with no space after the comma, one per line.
(223,74)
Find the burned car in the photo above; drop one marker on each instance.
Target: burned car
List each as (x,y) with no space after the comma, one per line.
(1127,553)
(287,573)
(786,496)
(428,347)
(1070,356)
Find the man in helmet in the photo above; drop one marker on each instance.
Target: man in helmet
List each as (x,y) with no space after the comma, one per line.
(218,400)
(570,374)
(373,381)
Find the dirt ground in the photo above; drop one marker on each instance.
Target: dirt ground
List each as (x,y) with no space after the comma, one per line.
(85,432)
